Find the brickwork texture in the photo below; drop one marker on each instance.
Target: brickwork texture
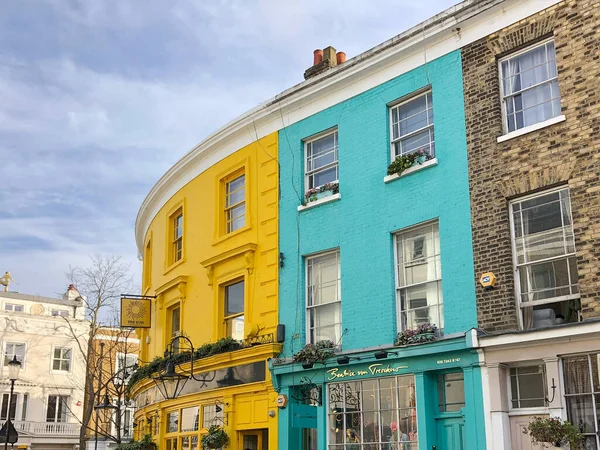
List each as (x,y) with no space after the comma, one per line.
(564,153)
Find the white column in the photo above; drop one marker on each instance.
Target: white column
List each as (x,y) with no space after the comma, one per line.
(553,378)
(498,382)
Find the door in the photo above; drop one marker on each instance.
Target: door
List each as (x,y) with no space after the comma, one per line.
(451,434)
(518,426)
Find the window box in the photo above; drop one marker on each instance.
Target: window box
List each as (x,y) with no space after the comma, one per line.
(327,199)
(423,333)
(415,168)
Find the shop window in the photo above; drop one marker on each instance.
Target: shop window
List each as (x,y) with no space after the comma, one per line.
(528,386)
(451,392)
(235,203)
(176,236)
(419,277)
(173,422)
(211,415)
(544,256)
(582,395)
(324,297)
(378,412)
(172,444)
(234,310)
(412,126)
(189,443)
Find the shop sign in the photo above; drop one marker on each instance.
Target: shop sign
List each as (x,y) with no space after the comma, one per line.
(304,416)
(337,373)
(448,361)
(135,312)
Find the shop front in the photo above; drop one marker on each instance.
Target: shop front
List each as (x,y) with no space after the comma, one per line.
(409,398)
(235,394)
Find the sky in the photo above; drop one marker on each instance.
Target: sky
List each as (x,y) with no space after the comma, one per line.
(98,98)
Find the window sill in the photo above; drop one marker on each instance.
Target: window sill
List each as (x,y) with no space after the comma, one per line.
(413,169)
(537,411)
(172,266)
(226,236)
(331,198)
(530,128)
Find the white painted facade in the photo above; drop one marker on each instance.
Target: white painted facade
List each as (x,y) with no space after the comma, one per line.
(45,333)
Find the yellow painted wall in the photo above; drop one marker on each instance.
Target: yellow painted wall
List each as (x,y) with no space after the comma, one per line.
(202,203)
(212,258)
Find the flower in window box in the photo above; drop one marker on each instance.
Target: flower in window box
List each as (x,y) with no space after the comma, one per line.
(425,332)
(406,161)
(325,190)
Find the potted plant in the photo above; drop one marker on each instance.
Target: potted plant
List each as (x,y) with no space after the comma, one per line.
(406,161)
(425,332)
(145,443)
(555,432)
(325,190)
(312,353)
(215,438)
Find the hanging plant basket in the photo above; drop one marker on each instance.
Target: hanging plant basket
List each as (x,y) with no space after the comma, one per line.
(215,438)
(313,353)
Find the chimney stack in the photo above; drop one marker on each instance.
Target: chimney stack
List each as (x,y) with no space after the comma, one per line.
(323,60)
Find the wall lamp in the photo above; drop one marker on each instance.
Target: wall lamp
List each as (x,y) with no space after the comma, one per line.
(343,360)
(382,354)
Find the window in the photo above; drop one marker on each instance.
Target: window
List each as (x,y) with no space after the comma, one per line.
(189,419)
(24,409)
(321,160)
(582,395)
(529,86)
(235,204)
(419,277)
(5,408)
(189,442)
(11,349)
(176,236)
(528,386)
(124,365)
(172,422)
(544,254)
(380,412)
(58,406)
(412,126)
(210,415)
(175,325)
(234,310)
(324,297)
(60,313)
(451,392)
(62,359)
(13,307)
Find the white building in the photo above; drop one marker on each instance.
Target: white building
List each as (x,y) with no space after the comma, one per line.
(45,334)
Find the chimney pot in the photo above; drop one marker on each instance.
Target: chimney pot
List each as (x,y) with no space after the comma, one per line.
(340,57)
(318,55)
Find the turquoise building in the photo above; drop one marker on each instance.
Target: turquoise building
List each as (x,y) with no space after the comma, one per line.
(367,259)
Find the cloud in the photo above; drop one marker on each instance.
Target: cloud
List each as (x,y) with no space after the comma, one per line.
(99,98)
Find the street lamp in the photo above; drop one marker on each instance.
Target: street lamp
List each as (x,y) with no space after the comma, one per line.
(170,383)
(13,373)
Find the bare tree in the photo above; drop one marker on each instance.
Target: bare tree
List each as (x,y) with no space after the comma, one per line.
(100,285)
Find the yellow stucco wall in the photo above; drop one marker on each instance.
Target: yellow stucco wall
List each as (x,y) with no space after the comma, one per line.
(211,259)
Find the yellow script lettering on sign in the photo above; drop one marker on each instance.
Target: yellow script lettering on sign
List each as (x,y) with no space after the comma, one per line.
(135,312)
(374,369)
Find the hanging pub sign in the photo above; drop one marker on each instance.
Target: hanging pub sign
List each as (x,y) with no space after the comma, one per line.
(135,311)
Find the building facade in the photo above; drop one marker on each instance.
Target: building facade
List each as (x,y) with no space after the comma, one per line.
(44,334)
(113,359)
(531,99)
(208,234)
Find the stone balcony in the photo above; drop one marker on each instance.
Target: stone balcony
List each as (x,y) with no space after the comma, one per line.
(46,429)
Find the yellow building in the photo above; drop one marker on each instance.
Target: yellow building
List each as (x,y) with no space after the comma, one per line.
(208,235)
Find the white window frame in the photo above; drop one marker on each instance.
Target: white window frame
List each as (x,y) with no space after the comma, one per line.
(399,103)
(59,313)
(124,407)
(118,372)
(510,377)
(229,219)
(339,289)
(517,265)
(13,306)
(440,304)
(67,404)
(308,141)
(503,97)
(52,359)
(24,344)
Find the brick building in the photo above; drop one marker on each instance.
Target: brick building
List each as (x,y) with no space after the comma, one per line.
(533,119)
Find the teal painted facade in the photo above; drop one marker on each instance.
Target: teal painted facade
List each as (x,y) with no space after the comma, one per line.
(361,225)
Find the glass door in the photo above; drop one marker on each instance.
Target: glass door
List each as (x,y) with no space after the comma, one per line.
(254,440)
